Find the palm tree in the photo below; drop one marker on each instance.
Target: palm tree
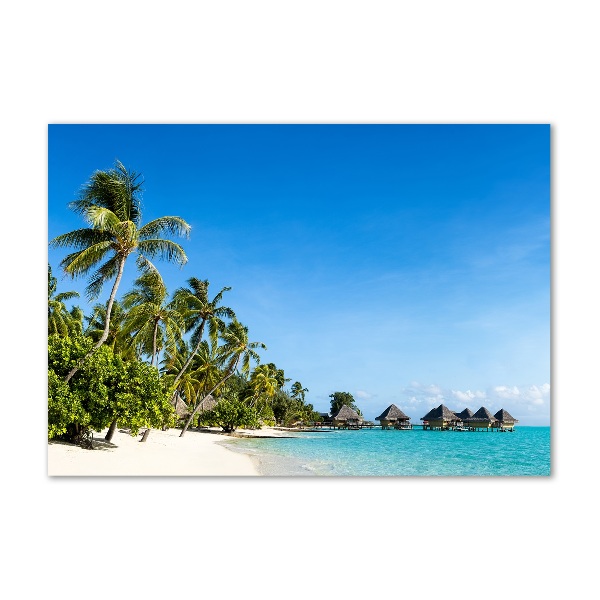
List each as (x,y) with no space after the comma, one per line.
(60,320)
(155,324)
(298,391)
(116,339)
(236,351)
(198,310)
(203,375)
(110,203)
(263,383)
(189,384)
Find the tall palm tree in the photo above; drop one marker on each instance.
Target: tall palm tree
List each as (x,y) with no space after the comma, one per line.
(60,320)
(155,324)
(188,384)
(117,340)
(298,391)
(237,352)
(203,374)
(110,203)
(263,384)
(198,311)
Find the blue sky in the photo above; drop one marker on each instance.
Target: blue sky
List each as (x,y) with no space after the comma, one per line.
(400,263)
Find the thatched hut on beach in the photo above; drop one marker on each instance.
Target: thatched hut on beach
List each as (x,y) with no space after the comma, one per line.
(482,419)
(439,418)
(346,417)
(181,408)
(505,419)
(392,416)
(207,403)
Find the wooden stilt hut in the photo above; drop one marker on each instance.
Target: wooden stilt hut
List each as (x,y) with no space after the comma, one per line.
(440,418)
(324,420)
(347,417)
(505,420)
(465,414)
(392,416)
(482,419)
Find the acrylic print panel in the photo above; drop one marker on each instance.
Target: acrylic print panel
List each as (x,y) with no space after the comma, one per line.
(299,300)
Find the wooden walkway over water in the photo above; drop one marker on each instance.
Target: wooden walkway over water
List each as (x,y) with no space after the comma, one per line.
(330,426)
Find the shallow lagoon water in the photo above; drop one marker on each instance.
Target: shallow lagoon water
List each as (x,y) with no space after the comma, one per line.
(377,452)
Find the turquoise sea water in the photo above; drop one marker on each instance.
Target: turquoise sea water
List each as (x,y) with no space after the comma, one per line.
(526,451)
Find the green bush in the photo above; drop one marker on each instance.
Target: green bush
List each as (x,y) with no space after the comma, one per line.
(105,388)
(229,414)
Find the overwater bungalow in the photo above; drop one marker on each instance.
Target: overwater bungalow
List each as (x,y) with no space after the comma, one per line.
(392,416)
(324,420)
(505,420)
(465,414)
(440,418)
(482,419)
(347,417)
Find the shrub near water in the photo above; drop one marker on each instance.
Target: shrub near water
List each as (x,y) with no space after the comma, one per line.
(105,388)
(229,414)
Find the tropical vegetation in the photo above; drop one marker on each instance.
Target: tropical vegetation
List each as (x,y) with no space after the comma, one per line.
(132,360)
(339,399)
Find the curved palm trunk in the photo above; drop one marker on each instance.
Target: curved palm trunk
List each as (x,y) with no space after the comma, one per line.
(190,358)
(154,345)
(191,417)
(104,335)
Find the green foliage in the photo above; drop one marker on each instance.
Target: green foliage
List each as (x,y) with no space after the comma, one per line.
(138,397)
(298,391)
(231,413)
(60,320)
(288,409)
(64,408)
(117,338)
(105,388)
(263,385)
(339,399)
(110,203)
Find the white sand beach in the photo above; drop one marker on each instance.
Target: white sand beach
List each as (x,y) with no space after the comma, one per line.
(164,453)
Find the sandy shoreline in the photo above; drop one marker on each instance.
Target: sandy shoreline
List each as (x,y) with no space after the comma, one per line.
(163,454)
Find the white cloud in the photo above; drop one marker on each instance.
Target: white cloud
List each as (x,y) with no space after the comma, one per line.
(469,395)
(503,391)
(363,395)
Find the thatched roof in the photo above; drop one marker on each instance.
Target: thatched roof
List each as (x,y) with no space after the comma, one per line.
(440,413)
(483,414)
(208,403)
(392,413)
(505,417)
(182,410)
(465,414)
(346,413)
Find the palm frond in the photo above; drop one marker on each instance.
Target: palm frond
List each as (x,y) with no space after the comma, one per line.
(102,218)
(170,225)
(164,249)
(66,296)
(117,189)
(106,271)
(81,262)
(80,238)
